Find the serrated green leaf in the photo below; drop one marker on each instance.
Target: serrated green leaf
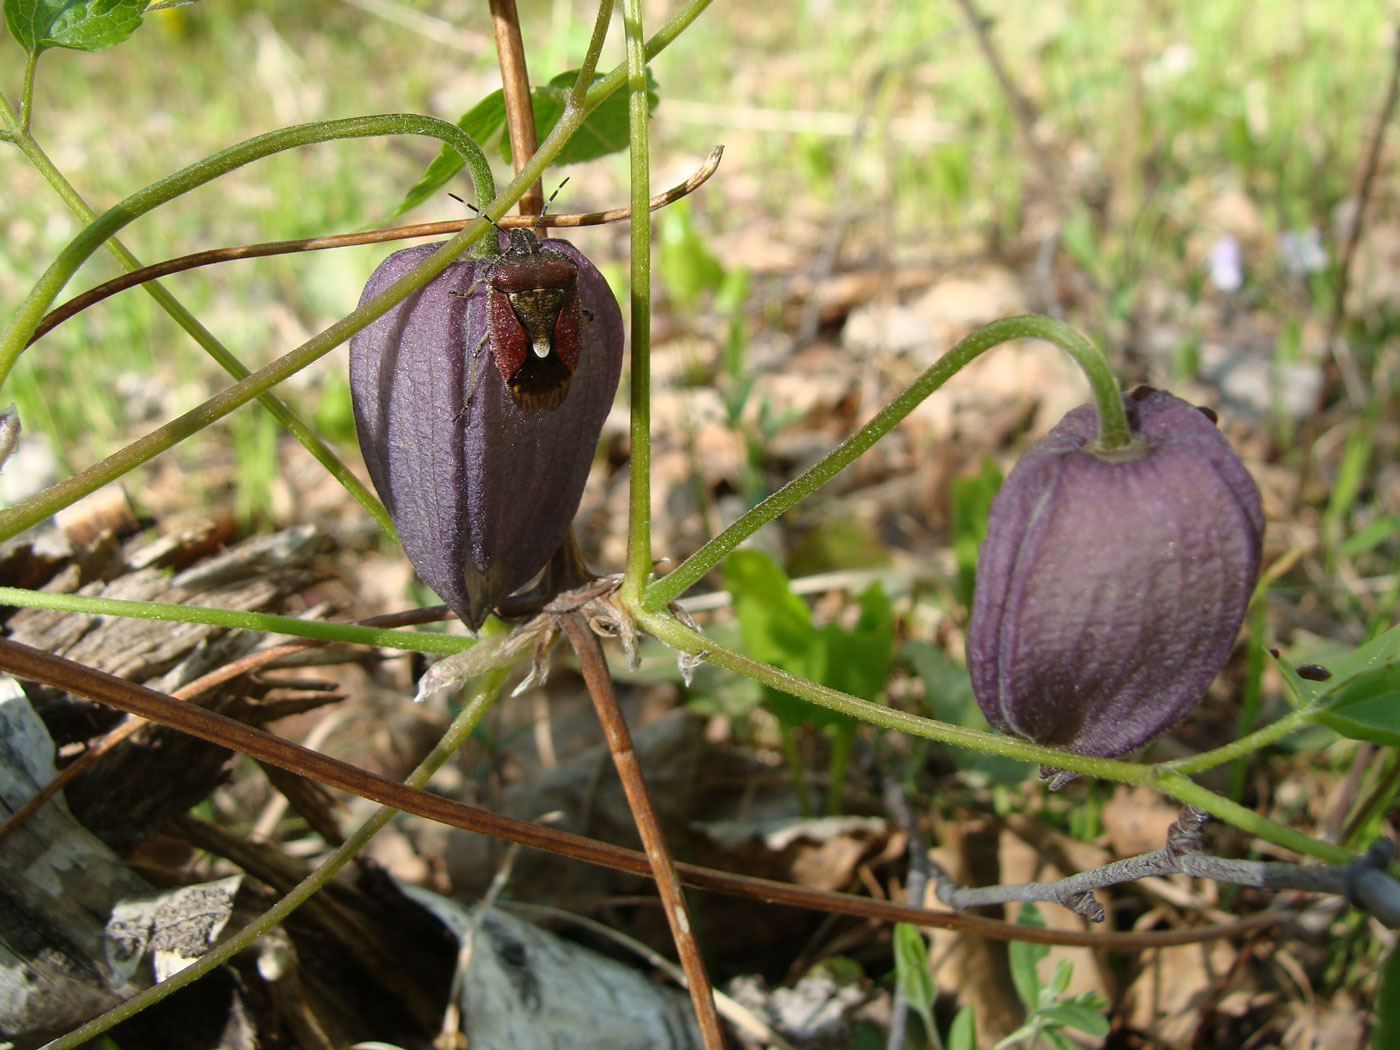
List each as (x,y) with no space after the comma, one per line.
(1385,1034)
(482,122)
(83,25)
(911,968)
(1080,1018)
(1025,956)
(963,1033)
(1366,707)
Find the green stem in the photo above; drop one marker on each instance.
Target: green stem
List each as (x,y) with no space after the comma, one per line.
(660,40)
(579,92)
(638,567)
(787,742)
(26,95)
(21,516)
(457,734)
(1113,428)
(32,310)
(1162,778)
(1193,794)
(351,634)
(842,739)
(35,509)
(1244,746)
(1249,705)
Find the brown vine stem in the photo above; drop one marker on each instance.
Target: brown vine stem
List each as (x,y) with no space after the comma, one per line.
(189,691)
(668,884)
(35,665)
(92,296)
(515,82)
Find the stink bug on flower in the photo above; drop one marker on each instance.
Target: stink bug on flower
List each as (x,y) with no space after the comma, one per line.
(534,315)
(534,320)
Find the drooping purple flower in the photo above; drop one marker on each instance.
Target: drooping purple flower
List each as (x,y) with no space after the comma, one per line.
(478,449)
(1111,586)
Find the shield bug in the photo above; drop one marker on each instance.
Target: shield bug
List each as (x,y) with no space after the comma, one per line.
(534,320)
(534,314)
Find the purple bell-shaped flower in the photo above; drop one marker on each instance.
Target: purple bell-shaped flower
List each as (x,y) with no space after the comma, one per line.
(478,402)
(1111,585)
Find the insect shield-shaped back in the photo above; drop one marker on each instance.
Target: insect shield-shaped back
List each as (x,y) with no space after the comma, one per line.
(534,321)
(481,484)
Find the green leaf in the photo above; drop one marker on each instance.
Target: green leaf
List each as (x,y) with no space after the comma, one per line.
(482,122)
(1372,536)
(1057,1040)
(685,264)
(1073,1015)
(602,132)
(84,25)
(949,692)
(911,968)
(776,624)
(1025,956)
(1385,1035)
(963,1033)
(970,498)
(1366,707)
(859,660)
(777,628)
(1379,651)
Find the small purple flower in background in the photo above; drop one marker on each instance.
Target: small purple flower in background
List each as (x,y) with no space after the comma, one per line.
(1111,586)
(478,403)
(1226,264)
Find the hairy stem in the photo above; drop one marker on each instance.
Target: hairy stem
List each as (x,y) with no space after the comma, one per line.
(1113,433)
(678,636)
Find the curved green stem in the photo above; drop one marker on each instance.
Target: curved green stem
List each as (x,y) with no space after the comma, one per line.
(32,310)
(38,507)
(638,568)
(1193,794)
(675,634)
(269,623)
(41,505)
(457,734)
(1107,398)
(1245,745)
(279,410)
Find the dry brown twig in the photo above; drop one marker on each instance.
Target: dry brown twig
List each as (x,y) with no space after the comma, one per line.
(36,665)
(95,295)
(515,84)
